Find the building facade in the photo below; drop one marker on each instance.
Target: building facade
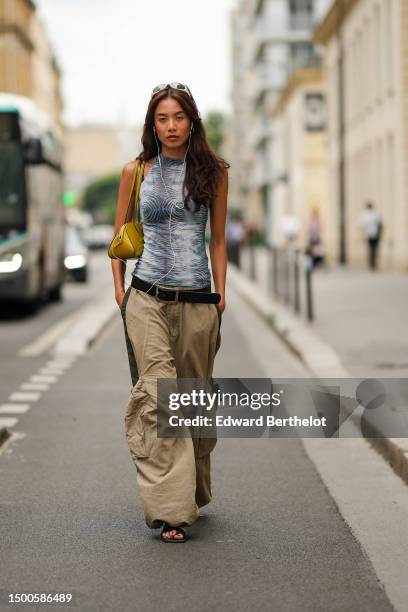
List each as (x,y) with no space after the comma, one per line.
(366,75)
(28,66)
(274,37)
(299,157)
(96,150)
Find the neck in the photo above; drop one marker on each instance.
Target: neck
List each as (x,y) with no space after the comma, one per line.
(175,153)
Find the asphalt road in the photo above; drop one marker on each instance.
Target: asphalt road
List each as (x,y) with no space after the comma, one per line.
(273,537)
(19,331)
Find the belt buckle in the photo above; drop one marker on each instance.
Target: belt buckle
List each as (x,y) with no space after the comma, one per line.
(167,301)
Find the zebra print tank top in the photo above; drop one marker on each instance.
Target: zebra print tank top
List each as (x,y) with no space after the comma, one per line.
(187,230)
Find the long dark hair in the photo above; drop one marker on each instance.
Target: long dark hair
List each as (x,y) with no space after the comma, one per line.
(203,165)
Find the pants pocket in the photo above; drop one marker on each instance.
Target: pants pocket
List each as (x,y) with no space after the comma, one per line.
(135,427)
(124,302)
(219,312)
(134,374)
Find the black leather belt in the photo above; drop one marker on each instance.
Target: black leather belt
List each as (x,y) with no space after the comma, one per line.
(204,295)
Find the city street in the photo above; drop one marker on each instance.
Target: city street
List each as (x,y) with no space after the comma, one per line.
(292,526)
(276,169)
(34,334)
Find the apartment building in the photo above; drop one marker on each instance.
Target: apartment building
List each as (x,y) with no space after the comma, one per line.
(272,38)
(28,66)
(366,76)
(95,150)
(299,156)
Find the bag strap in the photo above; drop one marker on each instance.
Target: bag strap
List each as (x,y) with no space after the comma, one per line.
(136,178)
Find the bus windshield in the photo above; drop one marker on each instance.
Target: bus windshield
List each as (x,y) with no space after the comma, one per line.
(12,200)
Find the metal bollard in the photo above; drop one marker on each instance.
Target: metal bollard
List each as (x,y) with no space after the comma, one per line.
(309,295)
(269,270)
(296,278)
(252,264)
(287,276)
(275,271)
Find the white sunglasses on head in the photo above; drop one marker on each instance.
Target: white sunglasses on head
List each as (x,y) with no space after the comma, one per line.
(173,85)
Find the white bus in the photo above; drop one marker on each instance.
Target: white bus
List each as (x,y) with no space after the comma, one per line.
(31,204)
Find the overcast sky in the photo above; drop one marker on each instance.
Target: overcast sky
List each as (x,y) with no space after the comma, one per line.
(113,52)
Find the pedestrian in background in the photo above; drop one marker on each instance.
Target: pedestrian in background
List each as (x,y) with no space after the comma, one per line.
(235,236)
(172,328)
(290,227)
(371,224)
(314,246)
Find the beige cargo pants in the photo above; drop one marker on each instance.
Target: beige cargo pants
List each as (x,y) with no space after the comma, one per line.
(168,340)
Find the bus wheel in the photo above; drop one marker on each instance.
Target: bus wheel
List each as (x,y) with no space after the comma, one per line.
(55,294)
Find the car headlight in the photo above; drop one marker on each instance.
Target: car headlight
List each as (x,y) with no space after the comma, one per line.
(10,262)
(74,261)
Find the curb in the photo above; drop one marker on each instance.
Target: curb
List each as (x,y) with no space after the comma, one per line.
(85,330)
(320,359)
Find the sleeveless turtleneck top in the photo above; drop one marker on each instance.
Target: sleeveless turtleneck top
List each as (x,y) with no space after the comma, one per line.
(187,230)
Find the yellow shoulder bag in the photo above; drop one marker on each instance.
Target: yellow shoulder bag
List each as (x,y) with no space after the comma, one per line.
(128,242)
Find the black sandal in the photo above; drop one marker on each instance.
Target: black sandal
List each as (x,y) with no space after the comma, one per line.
(167,527)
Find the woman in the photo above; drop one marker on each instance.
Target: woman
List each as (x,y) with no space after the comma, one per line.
(172,334)
(314,240)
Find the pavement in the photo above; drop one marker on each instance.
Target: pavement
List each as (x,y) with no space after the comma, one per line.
(59,329)
(294,524)
(358,331)
(361,314)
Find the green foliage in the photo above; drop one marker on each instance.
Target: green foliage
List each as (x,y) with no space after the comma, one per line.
(214,127)
(100,198)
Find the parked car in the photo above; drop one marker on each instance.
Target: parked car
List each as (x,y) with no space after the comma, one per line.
(76,255)
(98,236)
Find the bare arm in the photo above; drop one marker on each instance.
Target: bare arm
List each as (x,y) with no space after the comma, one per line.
(217,246)
(118,267)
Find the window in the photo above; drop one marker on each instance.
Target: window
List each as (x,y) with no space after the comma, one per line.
(301,14)
(303,54)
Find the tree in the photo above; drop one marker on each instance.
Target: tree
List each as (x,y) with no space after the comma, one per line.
(214,127)
(100,198)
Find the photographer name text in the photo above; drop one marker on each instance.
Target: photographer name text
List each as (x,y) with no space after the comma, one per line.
(259,421)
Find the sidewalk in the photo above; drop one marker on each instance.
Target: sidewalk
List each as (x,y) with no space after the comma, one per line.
(359,328)
(374,307)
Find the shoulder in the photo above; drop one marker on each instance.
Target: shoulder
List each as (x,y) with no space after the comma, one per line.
(128,168)
(224,172)
(223,167)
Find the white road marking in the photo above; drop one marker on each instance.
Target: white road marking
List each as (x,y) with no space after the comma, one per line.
(64,364)
(24,397)
(14,408)
(7,422)
(51,371)
(43,379)
(46,340)
(34,387)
